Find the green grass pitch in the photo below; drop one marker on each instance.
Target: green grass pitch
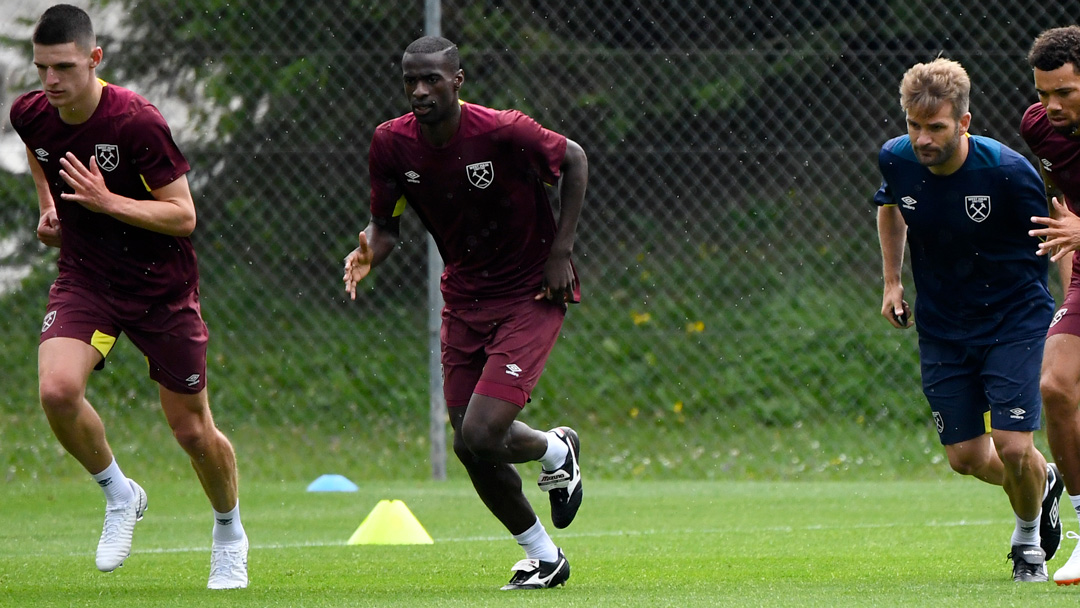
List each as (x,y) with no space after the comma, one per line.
(907,543)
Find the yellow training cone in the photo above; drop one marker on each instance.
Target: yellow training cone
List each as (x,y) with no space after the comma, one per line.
(390,523)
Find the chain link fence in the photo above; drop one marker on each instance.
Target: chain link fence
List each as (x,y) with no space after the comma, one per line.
(728,254)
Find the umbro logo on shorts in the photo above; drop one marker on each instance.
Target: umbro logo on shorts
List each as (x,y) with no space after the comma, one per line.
(193,379)
(513,369)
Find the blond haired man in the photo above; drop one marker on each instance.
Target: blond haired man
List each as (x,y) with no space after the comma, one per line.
(962,204)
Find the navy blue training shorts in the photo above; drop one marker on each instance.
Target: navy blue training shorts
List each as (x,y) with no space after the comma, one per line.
(965,383)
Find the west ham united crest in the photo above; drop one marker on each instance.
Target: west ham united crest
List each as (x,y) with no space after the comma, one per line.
(939,422)
(1057,317)
(481,174)
(47,323)
(108,156)
(978,207)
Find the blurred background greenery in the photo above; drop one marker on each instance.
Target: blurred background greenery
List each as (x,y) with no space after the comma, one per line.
(731,275)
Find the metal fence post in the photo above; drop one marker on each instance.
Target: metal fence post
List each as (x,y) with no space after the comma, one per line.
(433,27)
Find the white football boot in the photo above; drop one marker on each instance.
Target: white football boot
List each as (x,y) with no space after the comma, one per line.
(1069,574)
(228,565)
(115,543)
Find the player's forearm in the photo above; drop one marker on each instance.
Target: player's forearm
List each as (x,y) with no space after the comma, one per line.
(892,232)
(41,184)
(382,242)
(1051,193)
(45,202)
(1065,271)
(171,217)
(572,186)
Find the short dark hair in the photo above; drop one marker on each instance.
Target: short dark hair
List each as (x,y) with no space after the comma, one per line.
(436,44)
(1056,47)
(65,23)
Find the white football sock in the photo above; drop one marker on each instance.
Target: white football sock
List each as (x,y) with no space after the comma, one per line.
(227,526)
(555,456)
(537,543)
(115,485)
(1026,532)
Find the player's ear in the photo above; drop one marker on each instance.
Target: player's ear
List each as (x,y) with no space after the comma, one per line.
(459,79)
(965,122)
(95,56)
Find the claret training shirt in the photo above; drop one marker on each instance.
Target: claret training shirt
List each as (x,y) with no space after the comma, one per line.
(977,276)
(136,153)
(481,196)
(1058,154)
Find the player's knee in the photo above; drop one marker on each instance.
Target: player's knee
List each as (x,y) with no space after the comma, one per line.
(1059,395)
(966,463)
(60,397)
(461,450)
(193,436)
(963,467)
(1015,455)
(480,441)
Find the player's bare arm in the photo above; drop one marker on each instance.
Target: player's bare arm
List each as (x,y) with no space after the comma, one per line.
(892,232)
(171,212)
(48,228)
(558,273)
(1052,192)
(376,243)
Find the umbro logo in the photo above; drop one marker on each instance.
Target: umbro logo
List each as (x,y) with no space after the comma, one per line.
(412,177)
(1017,413)
(42,155)
(1046,164)
(908,203)
(224,521)
(193,379)
(513,369)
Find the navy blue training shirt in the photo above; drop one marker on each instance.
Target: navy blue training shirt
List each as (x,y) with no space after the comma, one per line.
(977,278)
